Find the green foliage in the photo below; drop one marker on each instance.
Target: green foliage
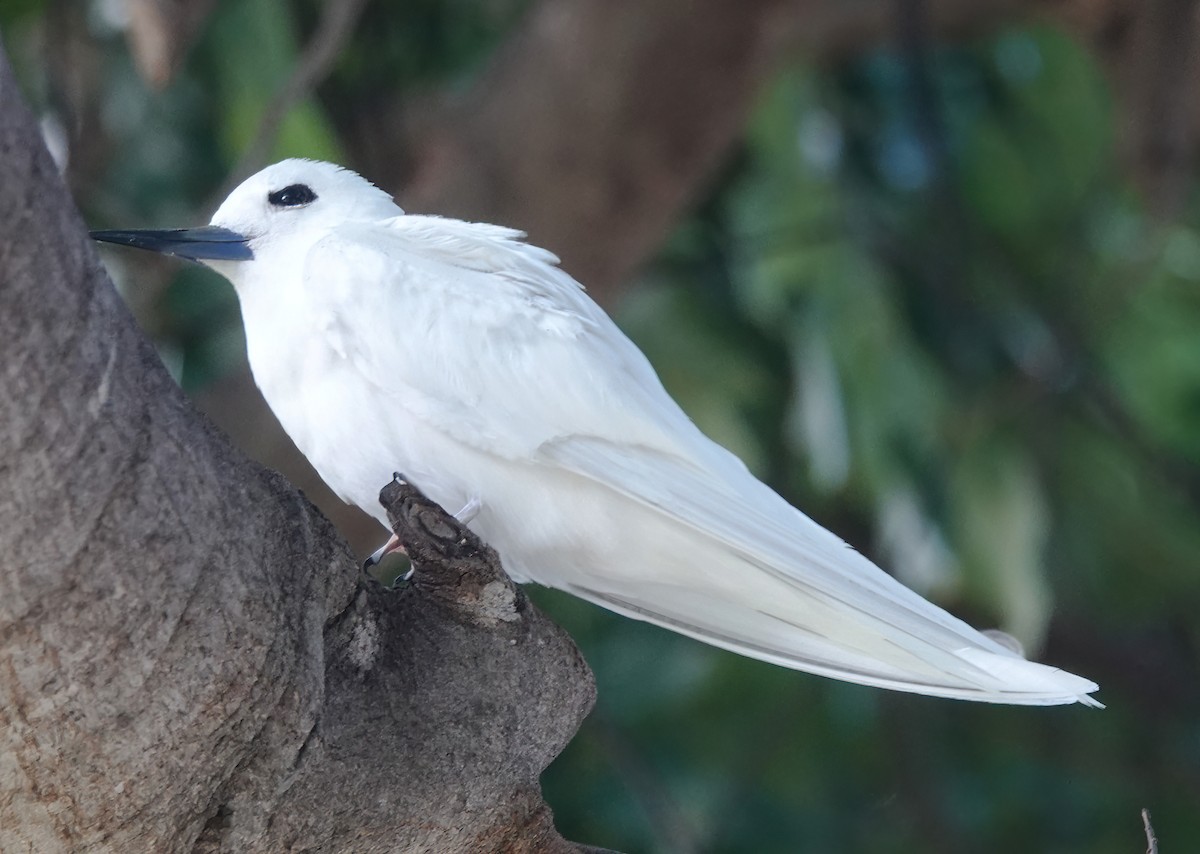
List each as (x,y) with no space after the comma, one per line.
(265,30)
(419,43)
(992,361)
(19,11)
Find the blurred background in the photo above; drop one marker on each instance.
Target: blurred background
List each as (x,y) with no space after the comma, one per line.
(932,269)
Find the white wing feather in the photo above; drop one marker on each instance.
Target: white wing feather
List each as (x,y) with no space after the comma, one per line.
(557,384)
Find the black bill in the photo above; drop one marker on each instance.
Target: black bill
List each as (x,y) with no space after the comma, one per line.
(207,243)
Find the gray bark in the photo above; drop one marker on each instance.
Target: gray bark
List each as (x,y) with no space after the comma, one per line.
(187,662)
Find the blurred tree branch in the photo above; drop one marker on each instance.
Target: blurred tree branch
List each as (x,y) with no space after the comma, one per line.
(338,19)
(595,125)
(160,33)
(185,664)
(1149,49)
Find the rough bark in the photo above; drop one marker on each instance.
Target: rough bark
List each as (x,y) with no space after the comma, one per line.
(461,682)
(186,663)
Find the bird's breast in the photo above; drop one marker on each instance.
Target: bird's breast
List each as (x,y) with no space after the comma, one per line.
(354,434)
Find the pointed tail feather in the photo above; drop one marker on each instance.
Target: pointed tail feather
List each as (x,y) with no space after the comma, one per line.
(765,581)
(966,673)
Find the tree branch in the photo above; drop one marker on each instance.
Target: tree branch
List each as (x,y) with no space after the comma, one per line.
(1151,839)
(389,715)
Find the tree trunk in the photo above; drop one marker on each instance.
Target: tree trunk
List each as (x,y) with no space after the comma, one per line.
(187,662)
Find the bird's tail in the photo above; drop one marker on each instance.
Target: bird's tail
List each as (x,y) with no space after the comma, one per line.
(965,673)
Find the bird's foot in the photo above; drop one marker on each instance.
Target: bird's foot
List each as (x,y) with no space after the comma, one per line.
(392,545)
(384,577)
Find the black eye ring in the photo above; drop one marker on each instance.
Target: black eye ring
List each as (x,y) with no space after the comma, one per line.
(292,196)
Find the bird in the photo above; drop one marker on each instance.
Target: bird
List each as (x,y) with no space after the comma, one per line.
(466,358)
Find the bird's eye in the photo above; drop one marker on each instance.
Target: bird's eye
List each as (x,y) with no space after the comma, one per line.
(292,196)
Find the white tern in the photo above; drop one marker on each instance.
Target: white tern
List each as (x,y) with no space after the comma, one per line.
(466,359)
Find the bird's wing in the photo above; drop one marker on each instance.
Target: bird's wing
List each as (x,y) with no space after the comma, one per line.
(546,362)
(554,381)
(833,613)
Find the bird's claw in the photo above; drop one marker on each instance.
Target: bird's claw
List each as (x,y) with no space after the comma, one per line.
(392,545)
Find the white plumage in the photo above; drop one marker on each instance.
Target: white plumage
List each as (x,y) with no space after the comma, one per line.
(467,360)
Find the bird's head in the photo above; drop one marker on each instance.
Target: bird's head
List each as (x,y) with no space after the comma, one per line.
(291,202)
